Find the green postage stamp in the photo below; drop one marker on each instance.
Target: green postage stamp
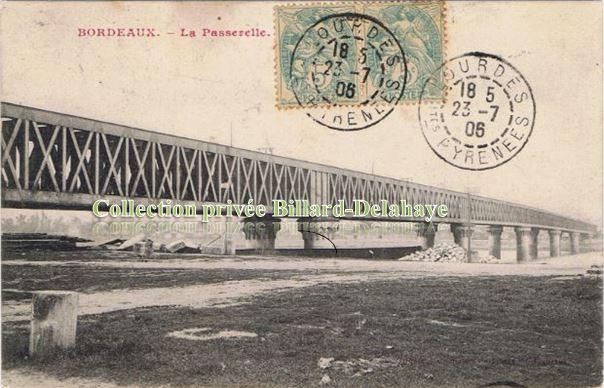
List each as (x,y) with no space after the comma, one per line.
(304,70)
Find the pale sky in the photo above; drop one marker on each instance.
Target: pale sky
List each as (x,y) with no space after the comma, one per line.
(203,87)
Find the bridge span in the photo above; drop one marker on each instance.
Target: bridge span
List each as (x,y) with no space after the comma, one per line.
(59,161)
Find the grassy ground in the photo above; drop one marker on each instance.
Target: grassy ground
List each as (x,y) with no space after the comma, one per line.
(90,279)
(412,332)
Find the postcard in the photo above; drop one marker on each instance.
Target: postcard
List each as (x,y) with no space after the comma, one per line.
(301,193)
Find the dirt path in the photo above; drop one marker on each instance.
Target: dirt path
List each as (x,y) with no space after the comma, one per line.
(553,266)
(232,292)
(31,378)
(207,295)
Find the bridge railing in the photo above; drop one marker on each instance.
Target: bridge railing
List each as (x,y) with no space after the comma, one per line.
(53,159)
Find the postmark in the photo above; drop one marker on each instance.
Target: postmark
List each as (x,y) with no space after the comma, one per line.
(348,61)
(487,117)
(419,27)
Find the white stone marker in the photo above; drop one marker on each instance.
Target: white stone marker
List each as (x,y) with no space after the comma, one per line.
(53,323)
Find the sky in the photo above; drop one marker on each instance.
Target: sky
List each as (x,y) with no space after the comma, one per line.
(223,89)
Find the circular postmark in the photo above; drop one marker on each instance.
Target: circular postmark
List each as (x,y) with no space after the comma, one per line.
(349,71)
(487,116)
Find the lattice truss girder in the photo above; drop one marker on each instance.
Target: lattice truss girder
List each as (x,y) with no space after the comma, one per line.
(42,157)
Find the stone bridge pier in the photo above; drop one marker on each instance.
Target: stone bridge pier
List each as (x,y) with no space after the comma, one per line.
(527,243)
(586,242)
(527,240)
(317,231)
(462,234)
(574,243)
(495,232)
(427,234)
(554,242)
(261,232)
(534,248)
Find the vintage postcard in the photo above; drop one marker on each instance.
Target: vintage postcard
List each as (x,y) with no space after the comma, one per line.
(301,193)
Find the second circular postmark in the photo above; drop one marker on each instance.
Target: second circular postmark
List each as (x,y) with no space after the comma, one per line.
(487,116)
(349,71)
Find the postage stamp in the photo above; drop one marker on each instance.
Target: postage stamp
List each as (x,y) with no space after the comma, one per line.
(417,27)
(355,64)
(488,114)
(354,52)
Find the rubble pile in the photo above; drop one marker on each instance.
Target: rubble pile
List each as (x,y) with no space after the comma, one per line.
(486,259)
(139,244)
(144,246)
(450,253)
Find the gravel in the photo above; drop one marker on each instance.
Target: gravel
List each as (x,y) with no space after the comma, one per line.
(450,253)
